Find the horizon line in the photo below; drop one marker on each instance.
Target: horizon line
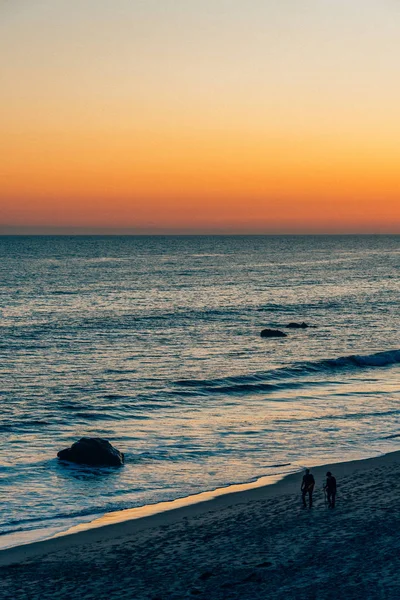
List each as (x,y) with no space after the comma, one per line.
(193,234)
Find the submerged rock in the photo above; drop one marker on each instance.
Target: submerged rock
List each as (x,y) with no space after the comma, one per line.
(268,333)
(92,451)
(298,325)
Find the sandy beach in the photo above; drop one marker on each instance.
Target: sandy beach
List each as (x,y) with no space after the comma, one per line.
(259,543)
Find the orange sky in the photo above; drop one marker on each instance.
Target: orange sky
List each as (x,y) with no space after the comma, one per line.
(200,117)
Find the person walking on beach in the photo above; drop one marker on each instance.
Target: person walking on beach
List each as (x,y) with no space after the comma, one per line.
(330,489)
(307,487)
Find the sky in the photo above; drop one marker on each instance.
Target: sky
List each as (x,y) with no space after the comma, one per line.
(200,116)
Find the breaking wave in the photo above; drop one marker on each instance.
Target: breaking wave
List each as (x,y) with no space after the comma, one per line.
(278,378)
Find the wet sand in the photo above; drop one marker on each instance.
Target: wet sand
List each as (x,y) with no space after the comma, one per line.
(257,543)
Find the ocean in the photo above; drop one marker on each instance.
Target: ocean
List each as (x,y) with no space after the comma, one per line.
(154,343)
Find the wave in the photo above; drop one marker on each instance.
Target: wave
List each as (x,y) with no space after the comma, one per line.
(278,378)
(13,425)
(64,292)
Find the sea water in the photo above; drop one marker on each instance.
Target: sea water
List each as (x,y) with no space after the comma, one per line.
(154,343)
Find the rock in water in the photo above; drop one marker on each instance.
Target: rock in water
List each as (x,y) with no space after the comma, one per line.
(92,451)
(298,325)
(272,333)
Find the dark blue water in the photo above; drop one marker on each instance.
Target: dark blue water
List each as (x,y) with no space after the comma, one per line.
(153,343)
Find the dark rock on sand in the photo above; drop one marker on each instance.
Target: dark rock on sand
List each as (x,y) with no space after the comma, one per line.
(92,451)
(269,333)
(298,325)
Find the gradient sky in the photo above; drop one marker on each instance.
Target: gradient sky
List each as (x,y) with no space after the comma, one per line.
(200,116)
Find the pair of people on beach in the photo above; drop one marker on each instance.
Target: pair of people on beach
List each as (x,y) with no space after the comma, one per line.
(307,487)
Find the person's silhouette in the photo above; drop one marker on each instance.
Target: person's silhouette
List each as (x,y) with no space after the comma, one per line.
(307,487)
(330,488)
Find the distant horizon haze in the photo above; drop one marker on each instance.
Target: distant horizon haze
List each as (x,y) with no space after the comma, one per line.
(87,231)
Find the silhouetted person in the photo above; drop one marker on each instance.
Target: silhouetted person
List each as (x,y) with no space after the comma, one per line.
(307,487)
(330,488)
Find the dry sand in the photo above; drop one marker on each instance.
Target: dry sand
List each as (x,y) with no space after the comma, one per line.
(254,544)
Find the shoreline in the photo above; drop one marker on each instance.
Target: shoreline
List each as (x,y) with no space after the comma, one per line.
(129,522)
(95,520)
(72,525)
